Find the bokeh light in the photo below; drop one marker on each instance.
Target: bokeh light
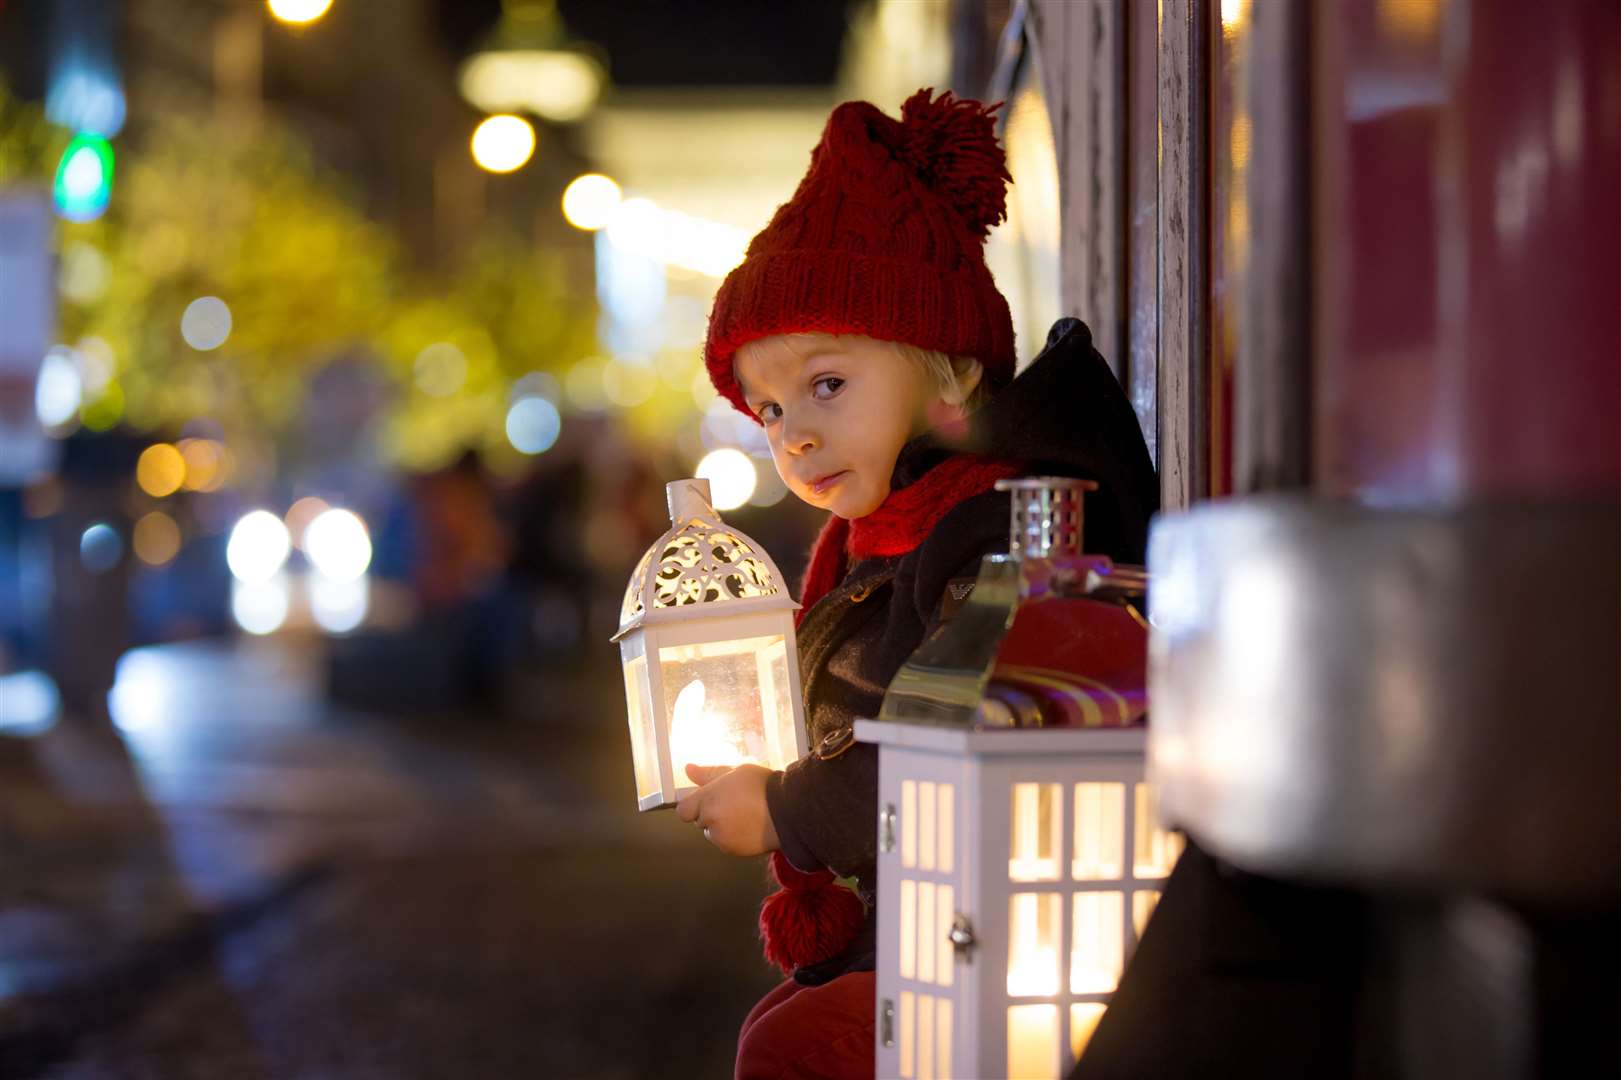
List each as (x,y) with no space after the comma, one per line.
(206,464)
(84,178)
(161,470)
(503,143)
(628,385)
(583,385)
(533,425)
(589,201)
(299,516)
(58,393)
(29,703)
(769,490)
(337,543)
(536,384)
(85,274)
(104,411)
(157,538)
(100,548)
(206,323)
(258,547)
(339,606)
(440,369)
(298,12)
(731,477)
(260,607)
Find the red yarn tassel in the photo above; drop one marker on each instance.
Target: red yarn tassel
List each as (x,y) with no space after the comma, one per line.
(809,919)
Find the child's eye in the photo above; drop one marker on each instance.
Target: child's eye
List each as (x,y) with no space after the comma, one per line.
(768,412)
(826,386)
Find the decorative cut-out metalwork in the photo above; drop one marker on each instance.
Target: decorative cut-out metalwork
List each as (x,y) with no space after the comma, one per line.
(699,564)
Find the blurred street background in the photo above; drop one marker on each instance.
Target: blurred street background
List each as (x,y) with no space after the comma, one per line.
(345,349)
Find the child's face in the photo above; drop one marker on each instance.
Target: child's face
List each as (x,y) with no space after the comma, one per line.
(837,411)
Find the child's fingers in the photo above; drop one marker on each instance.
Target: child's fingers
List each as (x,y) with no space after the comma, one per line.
(689,805)
(703,774)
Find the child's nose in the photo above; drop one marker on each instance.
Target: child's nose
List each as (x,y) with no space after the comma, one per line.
(799,438)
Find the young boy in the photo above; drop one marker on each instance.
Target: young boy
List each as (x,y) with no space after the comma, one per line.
(864,332)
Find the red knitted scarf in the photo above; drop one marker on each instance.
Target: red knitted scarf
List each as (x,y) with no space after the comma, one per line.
(810,918)
(900,523)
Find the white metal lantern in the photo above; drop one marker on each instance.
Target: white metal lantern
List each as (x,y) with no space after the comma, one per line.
(1016,871)
(1017,862)
(706,639)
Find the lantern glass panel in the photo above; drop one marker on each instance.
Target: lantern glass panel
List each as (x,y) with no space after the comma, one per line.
(1035,928)
(728,703)
(944,828)
(1100,815)
(908,958)
(1156,848)
(1032,1042)
(925,931)
(1083,1020)
(925,1036)
(1094,962)
(945,903)
(643,746)
(942,1038)
(908,1009)
(1037,818)
(1142,906)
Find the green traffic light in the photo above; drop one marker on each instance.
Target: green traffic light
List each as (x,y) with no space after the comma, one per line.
(84,179)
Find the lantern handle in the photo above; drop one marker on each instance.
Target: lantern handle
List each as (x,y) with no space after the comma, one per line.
(688,499)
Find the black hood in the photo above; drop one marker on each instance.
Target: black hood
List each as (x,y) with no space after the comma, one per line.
(1065,415)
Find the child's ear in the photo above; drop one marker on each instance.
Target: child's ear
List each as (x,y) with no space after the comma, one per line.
(967,372)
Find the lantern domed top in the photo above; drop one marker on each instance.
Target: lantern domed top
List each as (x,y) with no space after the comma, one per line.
(700,562)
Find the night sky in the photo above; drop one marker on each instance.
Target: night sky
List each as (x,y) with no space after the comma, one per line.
(688,42)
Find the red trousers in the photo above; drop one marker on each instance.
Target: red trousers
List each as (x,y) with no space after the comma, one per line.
(803,1032)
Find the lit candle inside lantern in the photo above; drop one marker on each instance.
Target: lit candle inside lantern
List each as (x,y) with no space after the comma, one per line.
(1032,969)
(700,736)
(1032,1041)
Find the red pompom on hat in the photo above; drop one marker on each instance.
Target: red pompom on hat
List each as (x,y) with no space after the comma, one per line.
(885,237)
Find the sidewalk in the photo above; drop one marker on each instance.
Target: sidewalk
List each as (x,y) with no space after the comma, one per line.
(245,883)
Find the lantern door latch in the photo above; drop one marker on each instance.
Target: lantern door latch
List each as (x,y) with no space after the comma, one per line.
(962,935)
(886,1022)
(886,828)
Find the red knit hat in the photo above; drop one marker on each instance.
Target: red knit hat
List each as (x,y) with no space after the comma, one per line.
(885,237)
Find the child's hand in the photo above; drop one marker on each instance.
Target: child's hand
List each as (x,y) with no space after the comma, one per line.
(730,807)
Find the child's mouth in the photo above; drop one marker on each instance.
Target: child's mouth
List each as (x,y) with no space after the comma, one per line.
(821,484)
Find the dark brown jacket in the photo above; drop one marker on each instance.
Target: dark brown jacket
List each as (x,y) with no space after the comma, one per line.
(1065,415)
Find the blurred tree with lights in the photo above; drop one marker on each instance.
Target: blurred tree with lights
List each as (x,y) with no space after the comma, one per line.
(205,207)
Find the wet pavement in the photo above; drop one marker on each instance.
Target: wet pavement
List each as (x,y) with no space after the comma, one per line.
(241,881)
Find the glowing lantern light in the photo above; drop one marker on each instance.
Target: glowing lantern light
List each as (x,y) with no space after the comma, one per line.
(706,638)
(1015,824)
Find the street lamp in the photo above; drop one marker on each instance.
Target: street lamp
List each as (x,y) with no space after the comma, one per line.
(529,63)
(503,143)
(298,12)
(706,638)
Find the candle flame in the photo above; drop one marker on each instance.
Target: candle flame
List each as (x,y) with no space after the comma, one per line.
(699,736)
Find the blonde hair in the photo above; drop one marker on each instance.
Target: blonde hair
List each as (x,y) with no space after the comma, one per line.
(951,374)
